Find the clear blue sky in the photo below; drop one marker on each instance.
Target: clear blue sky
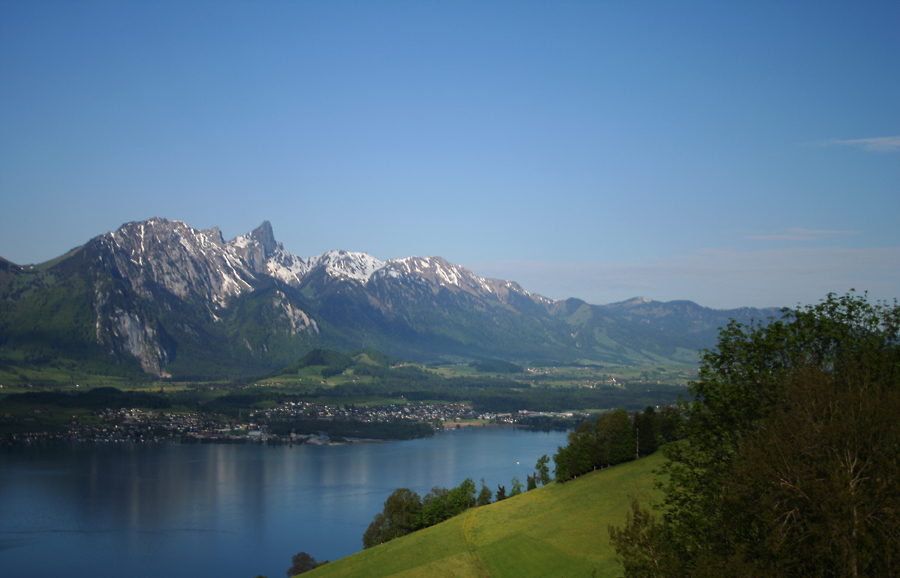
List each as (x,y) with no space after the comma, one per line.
(723,152)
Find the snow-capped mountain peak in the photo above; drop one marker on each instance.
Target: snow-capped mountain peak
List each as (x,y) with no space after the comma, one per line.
(350,264)
(437,270)
(195,261)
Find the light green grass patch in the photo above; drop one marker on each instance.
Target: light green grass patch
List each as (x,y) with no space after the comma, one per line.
(555,530)
(521,556)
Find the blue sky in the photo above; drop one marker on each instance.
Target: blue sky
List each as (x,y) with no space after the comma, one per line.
(728,153)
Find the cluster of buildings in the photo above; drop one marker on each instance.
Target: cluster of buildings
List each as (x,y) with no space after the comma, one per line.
(125,424)
(413,411)
(137,425)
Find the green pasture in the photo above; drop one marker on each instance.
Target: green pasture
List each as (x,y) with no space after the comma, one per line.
(555,530)
(18,378)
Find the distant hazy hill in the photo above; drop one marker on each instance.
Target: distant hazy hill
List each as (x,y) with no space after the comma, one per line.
(162,298)
(559,530)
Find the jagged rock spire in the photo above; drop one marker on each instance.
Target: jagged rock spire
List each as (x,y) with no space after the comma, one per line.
(265,237)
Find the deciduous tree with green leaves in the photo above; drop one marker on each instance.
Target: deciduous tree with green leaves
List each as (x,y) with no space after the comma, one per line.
(792,456)
(301,562)
(543,469)
(608,441)
(401,515)
(516,487)
(434,507)
(461,498)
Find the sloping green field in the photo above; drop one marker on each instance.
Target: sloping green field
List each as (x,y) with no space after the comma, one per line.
(556,530)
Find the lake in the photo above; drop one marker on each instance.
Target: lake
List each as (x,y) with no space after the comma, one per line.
(226,511)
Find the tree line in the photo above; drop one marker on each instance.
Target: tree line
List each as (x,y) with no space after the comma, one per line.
(405,512)
(613,438)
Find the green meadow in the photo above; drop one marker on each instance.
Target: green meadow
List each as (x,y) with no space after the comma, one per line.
(555,530)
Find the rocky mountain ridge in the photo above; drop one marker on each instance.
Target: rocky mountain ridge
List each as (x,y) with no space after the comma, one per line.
(185,302)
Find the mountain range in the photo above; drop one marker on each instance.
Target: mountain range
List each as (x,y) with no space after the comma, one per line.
(161,298)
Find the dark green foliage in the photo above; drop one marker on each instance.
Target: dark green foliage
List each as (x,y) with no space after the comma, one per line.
(376,533)
(543,470)
(461,498)
(791,465)
(669,420)
(633,396)
(608,441)
(501,493)
(615,437)
(399,517)
(641,545)
(434,507)
(401,511)
(549,423)
(301,562)
(647,431)
(485,495)
(404,512)
(531,483)
(837,441)
(575,458)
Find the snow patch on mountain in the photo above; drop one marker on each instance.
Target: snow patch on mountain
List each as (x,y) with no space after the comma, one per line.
(287,267)
(200,261)
(349,264)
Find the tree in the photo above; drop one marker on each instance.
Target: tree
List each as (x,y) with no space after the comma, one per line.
(562,461)
(461,498)
(609,441)
(401,511)
(576,458)
(647,431)
(485,495)
(791,460)
(615,428)
(401,515)
(376,532)
(300,563)
(818,483)
(531,483)
(516,487)
(434,507)
(640,544)
(501,492)
(669,420)
(543,470)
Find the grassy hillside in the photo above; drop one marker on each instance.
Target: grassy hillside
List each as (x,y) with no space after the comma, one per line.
(556,530)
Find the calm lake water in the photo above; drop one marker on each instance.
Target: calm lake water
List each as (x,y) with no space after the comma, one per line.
(226,511)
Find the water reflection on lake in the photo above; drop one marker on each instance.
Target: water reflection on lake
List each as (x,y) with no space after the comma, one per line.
(229,511)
